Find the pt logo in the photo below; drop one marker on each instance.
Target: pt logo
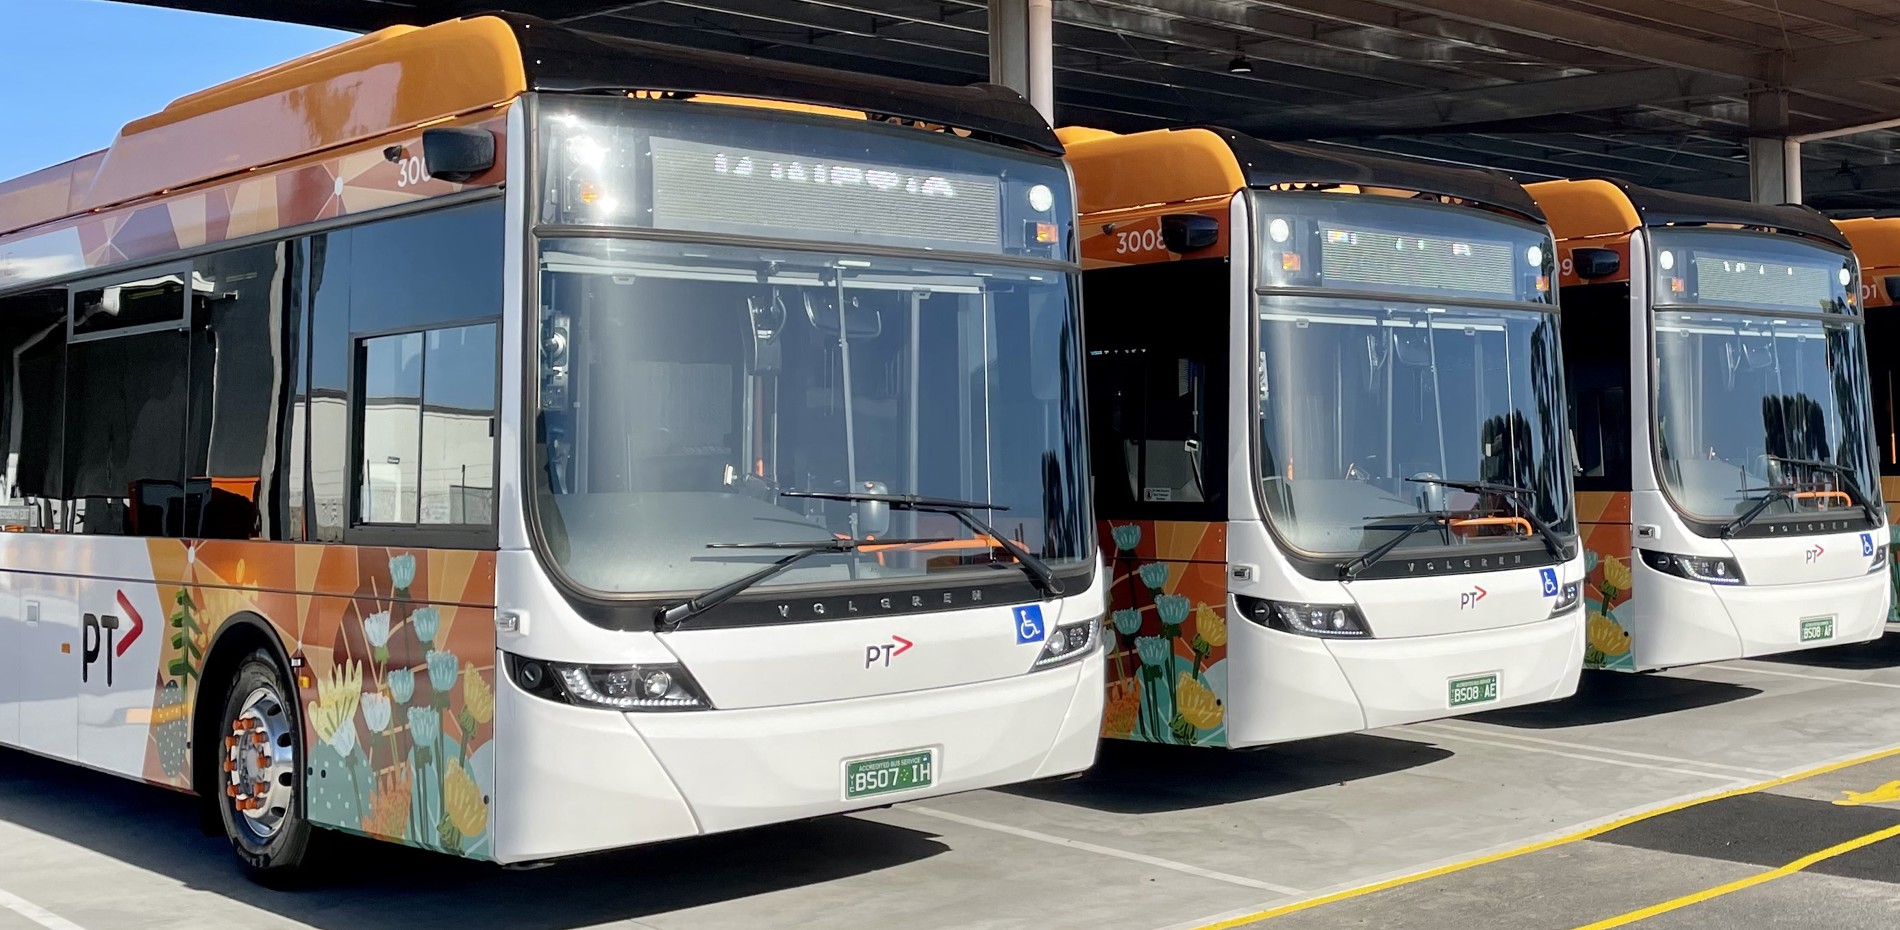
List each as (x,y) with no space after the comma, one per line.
(99,638)
(1469,599)
(1814,553)
(885,652)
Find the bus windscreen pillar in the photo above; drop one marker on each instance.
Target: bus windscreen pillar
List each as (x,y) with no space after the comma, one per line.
(1022,50)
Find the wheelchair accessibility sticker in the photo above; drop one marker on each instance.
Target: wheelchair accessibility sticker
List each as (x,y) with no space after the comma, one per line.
(1867,545)
(1028,624)
(1549,576)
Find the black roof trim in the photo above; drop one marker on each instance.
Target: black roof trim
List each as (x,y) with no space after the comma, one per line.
(1661,208)
(1266,163)
(560,59)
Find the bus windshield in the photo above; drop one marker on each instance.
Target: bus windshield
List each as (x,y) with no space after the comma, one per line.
(1761,382)
(683,388)
(1373,408)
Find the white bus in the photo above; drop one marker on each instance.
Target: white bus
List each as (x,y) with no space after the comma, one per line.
(516,443)
(1718,364)
(1326,403)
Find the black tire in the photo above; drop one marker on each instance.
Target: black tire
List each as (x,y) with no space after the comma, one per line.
(268,830)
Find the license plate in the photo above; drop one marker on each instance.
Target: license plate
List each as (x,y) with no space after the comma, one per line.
(886,774)
(1474,689)
(1816,629)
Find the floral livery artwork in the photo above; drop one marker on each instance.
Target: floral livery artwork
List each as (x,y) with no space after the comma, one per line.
(395,653)
(1604,519)
(1167,671)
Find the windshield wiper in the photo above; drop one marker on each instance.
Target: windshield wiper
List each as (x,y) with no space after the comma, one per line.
(1841,475)
(670,618)
(1438,518)
(1773,493)
(1526,507)
(965,511)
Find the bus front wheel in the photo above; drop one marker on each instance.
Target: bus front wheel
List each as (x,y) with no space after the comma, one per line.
(261,774)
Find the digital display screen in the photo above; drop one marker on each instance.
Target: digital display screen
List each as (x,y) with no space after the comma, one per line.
(740,191)
(1394,260)
(1729,280)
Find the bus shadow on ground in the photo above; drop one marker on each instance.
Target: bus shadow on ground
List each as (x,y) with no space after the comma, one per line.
(1612,697)
(381,885)
(1881,653)
(1142,778)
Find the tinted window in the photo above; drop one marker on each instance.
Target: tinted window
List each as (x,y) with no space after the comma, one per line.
(243,352)
(426,427)
(329,419)
(415,272)
(1883,352)
(125,423)
(1157,389)
(159,298)
(32,396)
(1596,339)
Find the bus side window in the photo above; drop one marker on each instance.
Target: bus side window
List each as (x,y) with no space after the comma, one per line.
(32,404)
(1596,339)
(126,396)
(1157,376)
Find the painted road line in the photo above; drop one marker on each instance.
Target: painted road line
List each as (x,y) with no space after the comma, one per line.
(1585,747)
(1155,861)
(1763,878)
(1549,842)
(36,913)
(1627,763)
(1752,670)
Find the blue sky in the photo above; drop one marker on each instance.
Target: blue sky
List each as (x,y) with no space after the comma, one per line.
(77,70)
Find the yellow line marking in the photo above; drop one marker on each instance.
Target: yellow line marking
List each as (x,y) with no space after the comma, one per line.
(1885,794)
(1541,845)
(1708,894)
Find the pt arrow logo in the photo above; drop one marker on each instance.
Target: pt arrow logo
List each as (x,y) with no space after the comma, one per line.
(1469,599)
(138,625)
(1815,552)
(883,653)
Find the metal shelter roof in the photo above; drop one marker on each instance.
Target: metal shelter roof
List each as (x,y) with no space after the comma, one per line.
(1656,92)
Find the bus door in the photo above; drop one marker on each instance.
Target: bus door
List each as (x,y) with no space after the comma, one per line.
(1157,340)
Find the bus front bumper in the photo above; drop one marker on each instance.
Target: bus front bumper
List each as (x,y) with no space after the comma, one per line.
(1683,622)
(1302,687)
(571,780)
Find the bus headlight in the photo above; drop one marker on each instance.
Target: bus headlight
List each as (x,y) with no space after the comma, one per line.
(1879,563)
(1705,568)
(1567,598)
(610,687)
(1069,642)
(1337,621)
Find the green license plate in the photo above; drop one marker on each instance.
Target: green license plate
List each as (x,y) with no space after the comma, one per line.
(1474,689)
(1816,629)
(885,774)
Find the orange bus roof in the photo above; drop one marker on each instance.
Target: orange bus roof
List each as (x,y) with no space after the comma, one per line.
(1115,172)
(386,81)
(1585,209)
(1876,241)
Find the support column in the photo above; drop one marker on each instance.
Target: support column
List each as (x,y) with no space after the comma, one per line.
(1774,158)
(1022,50)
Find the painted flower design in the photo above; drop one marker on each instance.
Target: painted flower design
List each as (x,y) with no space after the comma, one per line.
(426,621)
(1127,537)
(377,711)
(443,667)
(1209,626)
(1154,575)
(1616,573)
(402,684)
(1154,650)
(425,724)
(333,714)
(376,629)
(1606,635)
(477,698)
(388,816)
(402,571)
(462,801)
(1196,704)
(1124,704)
(1128,622)
(1173,608)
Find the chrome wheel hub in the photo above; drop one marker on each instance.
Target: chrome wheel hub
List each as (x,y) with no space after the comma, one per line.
(260,763)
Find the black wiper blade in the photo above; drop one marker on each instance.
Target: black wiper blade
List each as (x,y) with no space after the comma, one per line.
(1438,518)
(670,618)
(1526,507)
(1774,493)
(1843,476)
(965,511)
